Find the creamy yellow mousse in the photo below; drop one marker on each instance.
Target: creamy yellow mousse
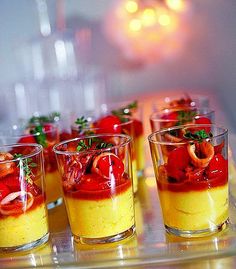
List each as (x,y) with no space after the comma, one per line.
(195,210)
(24,228)
(53,186)
(102,217)
(139,150)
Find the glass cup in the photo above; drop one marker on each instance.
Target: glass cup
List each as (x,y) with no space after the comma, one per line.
(181,100)
(47,136)
(23,212)
(191,168)
(135,111)
(168,118)
(96,174)
(108,124)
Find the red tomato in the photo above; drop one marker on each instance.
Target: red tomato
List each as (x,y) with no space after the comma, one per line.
(109,124)
(218,166)
(170,116)
(178,158)
(108,165)
(12,182)
(27,139)
(203,120)
(4,191)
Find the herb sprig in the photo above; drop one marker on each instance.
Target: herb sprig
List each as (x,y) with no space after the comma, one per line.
(198,136)
(40,136)
(95,143)
(82,123)
(185,116)
(52,117)
(27,164)
(125,111)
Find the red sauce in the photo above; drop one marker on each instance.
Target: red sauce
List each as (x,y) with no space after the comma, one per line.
(187,186)
(98,194)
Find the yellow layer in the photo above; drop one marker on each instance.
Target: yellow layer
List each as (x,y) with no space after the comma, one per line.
(134,175)
(107,217)
(24,229)
(53,186)
(195,210)
(139,151)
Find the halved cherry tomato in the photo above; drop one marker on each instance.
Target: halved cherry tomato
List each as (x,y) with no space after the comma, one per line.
(4,191)
(108,165)
(218,166)
(8,167)
(12,182)
(109,124)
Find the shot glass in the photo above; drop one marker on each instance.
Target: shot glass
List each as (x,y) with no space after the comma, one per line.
(47,136)
(108,124)
(175,116)
(23,211)
(191,168)
(96,175)
(135,111)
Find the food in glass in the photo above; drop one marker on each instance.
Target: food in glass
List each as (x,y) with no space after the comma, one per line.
(47,136)
(96,177)
(191,169)
(23,212)
(174,117)
(111,124)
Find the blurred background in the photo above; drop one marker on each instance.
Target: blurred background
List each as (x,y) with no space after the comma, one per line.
(73,55)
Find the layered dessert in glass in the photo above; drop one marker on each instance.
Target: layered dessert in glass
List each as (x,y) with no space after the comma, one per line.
(46,135)
(109,124)
(191,169)
(23,211)
(96,177)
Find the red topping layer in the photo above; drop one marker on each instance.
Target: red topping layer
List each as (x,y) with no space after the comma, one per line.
(138,128)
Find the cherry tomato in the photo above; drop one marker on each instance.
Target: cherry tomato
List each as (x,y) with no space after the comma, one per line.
(109,124)
(12,182)
(108,165)
(178,158)
(203,120)
(4,191)
(27,139)
(218,166)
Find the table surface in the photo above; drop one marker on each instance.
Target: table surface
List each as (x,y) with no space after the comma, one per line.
(150,247)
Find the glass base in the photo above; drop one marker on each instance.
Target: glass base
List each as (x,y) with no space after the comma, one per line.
(28,246)
(197,233)
(54,203)
(104,240)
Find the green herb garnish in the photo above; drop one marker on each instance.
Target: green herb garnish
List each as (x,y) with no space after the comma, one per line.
(82,123)
(26,164)
(185,116)
(198,136)
(39,120)
(40,136)
(94,141)
(125,111)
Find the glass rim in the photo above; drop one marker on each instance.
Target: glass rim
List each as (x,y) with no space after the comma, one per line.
(155,116)
(6,135)
(159,132)
(56,151)
(39,149)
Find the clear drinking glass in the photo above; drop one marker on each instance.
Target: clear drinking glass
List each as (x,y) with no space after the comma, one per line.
(96,175)
(191,168)
(174,116)
(47,136)
(108,124)
(23,211)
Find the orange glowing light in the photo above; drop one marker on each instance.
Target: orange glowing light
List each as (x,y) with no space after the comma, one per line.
(149,17)
(131,6)
(177,5)
(135,25)
(164,19)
